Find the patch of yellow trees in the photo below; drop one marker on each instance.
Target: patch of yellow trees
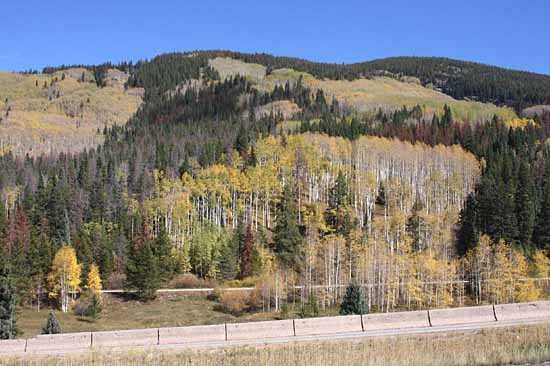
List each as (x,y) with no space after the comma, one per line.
(65,277)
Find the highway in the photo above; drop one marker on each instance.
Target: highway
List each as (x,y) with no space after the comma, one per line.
(357,335)
(348,336)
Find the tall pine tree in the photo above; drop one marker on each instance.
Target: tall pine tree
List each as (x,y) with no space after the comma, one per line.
(287,239)
(246,252)
(8,326)
(542,229)
(525,204)
(142,273)
(468,234)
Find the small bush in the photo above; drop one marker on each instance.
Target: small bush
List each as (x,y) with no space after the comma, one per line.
(116,281)
(214,295)
(52,325)
(310,308)
(233,302)
(95,308)
(254,300)
(88,305)
(81,305)
(246,282)
(188,280)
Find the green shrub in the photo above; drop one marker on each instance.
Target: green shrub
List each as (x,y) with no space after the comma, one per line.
(52,325)
(353,302)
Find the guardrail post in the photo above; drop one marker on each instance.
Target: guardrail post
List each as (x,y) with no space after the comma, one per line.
(225,331)
(495,313)
(429,319)
(91,339)
(26,341)
(158,336)
(362,325)
(294,327)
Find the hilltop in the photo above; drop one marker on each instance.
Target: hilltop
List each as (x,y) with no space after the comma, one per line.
(365,94)
(459,79)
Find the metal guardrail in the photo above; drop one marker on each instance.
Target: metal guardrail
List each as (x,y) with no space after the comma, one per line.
(70,342)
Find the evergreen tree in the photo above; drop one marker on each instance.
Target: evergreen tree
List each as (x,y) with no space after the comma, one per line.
(142,273)
(381,197)
(252,159)
(3,219)
(337,216)
(447,118)
(45,245)
(84,252)
(8,326)
(542,229)
(52,325)
(507,187)
(416,226)
(468,234)
(525,204)
(241,142)
(95,308)
(228,260)
(353,302)
(230,254)
(287,239)
(56,211)
(246,252)
(162,253)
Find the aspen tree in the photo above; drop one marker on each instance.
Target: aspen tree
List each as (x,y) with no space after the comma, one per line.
(64,277)
(93,282)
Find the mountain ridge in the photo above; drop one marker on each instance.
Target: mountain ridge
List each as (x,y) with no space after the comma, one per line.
(460,79)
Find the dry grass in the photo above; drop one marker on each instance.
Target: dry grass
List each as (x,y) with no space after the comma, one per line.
(228,67)
(168,310)
(521,345)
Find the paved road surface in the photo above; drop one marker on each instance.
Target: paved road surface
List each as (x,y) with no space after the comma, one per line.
(320,338)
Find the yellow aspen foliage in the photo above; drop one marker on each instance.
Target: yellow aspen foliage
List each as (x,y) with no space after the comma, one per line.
(525,289)
(64,277)
(541,270)
(94,279)
(541,264)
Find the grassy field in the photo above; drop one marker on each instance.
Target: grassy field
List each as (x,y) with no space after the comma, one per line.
(367,94)
(168,310)
(504,346)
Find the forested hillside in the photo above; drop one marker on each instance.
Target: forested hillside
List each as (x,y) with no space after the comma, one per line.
(61,111)
(421,208)
(364,95)
(459,79)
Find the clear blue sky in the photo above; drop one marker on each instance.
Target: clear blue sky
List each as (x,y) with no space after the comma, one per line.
(514,34)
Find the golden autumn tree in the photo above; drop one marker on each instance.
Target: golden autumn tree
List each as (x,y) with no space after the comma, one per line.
(64,277)
(541,270)
(93,282)
(524,287)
